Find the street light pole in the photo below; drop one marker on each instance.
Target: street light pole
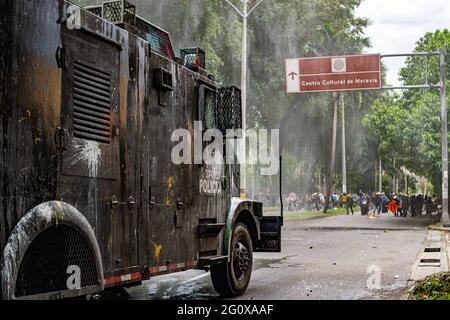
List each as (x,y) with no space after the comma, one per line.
(243,190)
(444,123)
(344,157)
(330,183)
(245,13)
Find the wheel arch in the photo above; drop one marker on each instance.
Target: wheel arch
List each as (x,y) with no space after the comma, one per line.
(35,222)
(245,211)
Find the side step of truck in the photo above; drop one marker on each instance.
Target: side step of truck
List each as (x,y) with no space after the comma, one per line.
(210,260)
(209,230)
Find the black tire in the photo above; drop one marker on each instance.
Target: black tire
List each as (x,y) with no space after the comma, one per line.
(115,294)
(231,279)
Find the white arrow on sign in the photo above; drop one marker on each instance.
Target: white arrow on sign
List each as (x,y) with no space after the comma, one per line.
(292,74)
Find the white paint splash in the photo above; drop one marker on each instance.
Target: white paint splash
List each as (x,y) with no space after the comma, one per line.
(88,153)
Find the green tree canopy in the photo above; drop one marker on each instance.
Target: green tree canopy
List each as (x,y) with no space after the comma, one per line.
(409,127)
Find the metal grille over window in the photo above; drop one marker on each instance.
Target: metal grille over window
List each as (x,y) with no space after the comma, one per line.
(123,12)
(208,107)
(210,110)
(193,58)
(119,12)
(159,39)
(97,10)
(91,104)
(229,110)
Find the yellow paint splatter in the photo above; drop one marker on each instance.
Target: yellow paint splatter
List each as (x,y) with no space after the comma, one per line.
(169,183)
(156,250)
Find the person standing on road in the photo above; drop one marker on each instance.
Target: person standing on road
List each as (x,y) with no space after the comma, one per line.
(399,202)
(344,199)
(316,201)
(393,206)
(335,200)
(405,205)
(384,202)
(429,205)
(309,202)
(364,204)
(412,205)
(377,204)
(435,204)
(419,205)
(349,204)
(321,200)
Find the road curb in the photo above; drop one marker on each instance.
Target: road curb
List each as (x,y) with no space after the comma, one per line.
(428,261)
(309,219)
(357,228)
(420,271)
(439,227)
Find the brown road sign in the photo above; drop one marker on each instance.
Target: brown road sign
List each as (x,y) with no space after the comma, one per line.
(344,73)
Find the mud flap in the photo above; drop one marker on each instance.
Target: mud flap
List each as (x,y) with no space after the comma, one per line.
(270,235)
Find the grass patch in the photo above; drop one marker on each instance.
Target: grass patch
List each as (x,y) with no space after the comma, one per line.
(271,209)
(315,214)
(435,287)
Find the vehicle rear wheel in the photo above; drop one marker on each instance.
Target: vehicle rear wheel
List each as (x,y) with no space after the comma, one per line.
(232,278)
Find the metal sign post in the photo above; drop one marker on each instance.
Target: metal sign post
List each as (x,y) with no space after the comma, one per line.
(344,151)
(444,122)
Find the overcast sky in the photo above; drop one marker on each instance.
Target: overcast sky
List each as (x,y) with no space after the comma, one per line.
(396,25)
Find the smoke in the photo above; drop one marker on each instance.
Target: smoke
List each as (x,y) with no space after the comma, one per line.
(278,29)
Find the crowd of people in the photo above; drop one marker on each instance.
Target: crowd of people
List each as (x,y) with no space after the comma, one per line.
(316,201)
(309,202)
(400,205)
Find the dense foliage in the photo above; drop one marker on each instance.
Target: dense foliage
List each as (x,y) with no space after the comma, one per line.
(408,127)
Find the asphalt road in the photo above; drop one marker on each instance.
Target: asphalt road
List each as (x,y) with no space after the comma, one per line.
(328,258)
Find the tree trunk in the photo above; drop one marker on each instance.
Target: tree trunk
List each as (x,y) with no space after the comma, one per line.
(380,173)
(394,178)
(376,175)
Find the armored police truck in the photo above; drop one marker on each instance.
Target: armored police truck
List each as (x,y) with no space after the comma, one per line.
(89,197)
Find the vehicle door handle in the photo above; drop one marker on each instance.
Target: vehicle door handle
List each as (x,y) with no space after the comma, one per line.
(152,202)
(115,203)
(131,203)
(180,204)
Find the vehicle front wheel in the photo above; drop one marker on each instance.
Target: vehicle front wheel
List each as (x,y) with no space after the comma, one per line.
(232,278)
